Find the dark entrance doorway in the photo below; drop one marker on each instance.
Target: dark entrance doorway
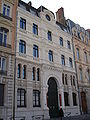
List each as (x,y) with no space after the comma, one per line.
(53,98)
(84,102)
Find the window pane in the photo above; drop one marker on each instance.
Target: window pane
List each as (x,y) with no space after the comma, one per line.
(1,94)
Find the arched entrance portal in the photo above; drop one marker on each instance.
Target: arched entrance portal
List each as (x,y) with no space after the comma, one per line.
(53,98)
(84,102)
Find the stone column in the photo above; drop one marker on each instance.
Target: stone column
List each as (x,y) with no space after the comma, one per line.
(62,98)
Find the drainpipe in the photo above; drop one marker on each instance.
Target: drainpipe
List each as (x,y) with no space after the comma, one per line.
(79,96)
(14,95)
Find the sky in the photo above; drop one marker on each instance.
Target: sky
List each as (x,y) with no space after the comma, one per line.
(76,10)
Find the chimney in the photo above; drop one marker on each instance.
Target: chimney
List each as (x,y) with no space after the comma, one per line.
(60,16)
(30,3)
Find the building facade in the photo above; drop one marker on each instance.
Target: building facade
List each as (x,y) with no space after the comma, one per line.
(7,56)
(45,71)
(81,45)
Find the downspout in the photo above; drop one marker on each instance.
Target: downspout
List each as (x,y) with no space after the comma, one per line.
(14,95)
(79,96)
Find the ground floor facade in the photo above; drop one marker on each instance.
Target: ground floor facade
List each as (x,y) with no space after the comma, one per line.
(41,90)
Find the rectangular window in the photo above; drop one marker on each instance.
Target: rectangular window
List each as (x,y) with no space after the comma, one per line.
(23,23)
(66,99)
(77,52)
(21,98)
(6,10)
(36,98)
(35,51)
(50,56)
(81,77)
(70,62)
(71,79)
(22,46)
(49,34)
(2,64)
(61,41)
(74,99)
(1,94)
(68,44)
(3,37)
(35,29)
(62,60)
(74,80)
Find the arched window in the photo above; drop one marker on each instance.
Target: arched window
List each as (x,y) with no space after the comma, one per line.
(19,71)
(24,71)
(85,57)
(80,74)
(88,75)
(33,73)
(38,74)
(77,53)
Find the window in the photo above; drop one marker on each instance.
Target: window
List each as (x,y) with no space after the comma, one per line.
(49,36)
(80,73)
(48,17)
(23,23)
(22,46)
(71,79)
(66,79)
(21,98)
(68,44)
(70,62)
(1,94)
(36,98)
(77,52)
(63,78)
(24,72)
(6,10)
(74,80)
(19,71)
(35,51)
(50,56)
(61,41)
(82,38)
(33,73)
(85,54)
(62,60)
(66,101)
(38,74)
(88,75)
(2,64)
(3,36)
(35,29)
(74,99)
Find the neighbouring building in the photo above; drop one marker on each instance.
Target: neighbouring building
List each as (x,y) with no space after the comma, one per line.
(7,56)
(81,45)
(45,71)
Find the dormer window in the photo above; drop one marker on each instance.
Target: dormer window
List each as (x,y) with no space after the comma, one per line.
(48,17)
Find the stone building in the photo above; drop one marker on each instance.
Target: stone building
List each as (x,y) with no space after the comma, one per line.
(45,72)
(81,45)
(7,56)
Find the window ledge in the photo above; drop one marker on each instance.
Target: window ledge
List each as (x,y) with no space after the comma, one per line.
(35,35)
(36,58)
(22,54)
(23,30)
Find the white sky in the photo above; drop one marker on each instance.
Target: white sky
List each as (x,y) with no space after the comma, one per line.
(76,10)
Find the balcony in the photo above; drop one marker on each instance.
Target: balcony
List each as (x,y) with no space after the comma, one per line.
(6,17)
(3,72)
(5,45)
